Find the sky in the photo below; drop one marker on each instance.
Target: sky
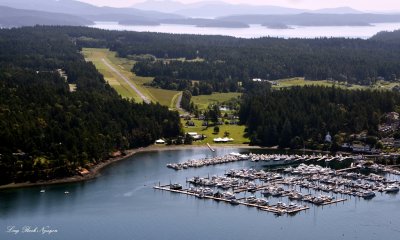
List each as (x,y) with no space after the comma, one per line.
(370,5)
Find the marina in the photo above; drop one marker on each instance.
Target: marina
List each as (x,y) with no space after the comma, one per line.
(302,181)
(277,209)
(281,159)
(123,198)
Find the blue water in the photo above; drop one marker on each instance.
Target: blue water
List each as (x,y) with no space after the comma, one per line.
(256,31)
(121,204)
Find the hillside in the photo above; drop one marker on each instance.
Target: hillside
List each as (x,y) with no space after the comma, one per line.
(315,19)
(11,17)
(393,36)
(57,113)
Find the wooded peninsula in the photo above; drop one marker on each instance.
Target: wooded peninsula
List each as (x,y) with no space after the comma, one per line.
(58,114)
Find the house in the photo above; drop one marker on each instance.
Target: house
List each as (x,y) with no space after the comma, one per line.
(196,136)
(346,146)
(223,140)
(190,123)
(160,141)
(388,142)
(392,116)
(361,148)
(328,138)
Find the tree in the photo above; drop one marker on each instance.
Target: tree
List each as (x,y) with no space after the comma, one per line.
(188,139)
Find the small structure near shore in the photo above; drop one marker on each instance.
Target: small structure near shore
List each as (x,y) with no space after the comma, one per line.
(223,140)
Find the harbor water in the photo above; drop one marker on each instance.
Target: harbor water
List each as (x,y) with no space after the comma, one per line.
(122,204)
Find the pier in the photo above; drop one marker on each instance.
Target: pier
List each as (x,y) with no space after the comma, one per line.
(273,209)
(326,186)
(211,149)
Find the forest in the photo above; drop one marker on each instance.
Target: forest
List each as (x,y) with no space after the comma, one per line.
(222,61)
(302,116)
(47,130)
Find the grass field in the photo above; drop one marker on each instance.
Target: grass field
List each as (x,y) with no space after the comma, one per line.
(235,131)
(124,66)
(204,100)
(284,83)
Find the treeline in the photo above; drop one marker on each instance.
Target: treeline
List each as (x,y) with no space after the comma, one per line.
(230,60)
(48,131)
(226,61)
(196,88)
(302,116)
(213,77)
(170,83)
(387,36)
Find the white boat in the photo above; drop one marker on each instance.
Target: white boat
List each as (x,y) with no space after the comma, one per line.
(392,189)
(42,191)
(368,195)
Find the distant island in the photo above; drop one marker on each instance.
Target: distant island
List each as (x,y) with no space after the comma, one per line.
(276,26)
(75,13)
(202,22)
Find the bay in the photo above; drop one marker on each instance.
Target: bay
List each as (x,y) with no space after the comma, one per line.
(256,31)
(121,204)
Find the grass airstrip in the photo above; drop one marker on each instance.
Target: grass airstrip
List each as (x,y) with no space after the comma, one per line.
(170,98)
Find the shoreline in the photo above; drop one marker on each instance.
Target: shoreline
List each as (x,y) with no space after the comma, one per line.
(94,172)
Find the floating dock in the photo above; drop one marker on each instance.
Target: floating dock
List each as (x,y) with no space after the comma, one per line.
(273,209)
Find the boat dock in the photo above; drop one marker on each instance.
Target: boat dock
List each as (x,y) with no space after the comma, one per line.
(211,149)
(273,209)
(256,189)
(334,201)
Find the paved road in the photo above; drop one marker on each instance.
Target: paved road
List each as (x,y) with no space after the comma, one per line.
(145,99)
(178,102)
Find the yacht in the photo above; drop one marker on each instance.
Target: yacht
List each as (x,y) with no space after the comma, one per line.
(368,195)
(392,189)
(175,186)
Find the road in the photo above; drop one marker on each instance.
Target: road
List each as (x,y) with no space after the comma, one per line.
(178,102)
(145,99)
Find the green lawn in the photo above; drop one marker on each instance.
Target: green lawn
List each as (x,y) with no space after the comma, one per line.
(204,100)
(236,132)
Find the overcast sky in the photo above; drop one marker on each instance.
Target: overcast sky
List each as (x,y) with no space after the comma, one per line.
(372,5)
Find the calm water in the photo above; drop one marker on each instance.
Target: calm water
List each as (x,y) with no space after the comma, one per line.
(122,205)
(256,31)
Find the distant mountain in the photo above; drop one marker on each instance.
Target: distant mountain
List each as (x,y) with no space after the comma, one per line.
(224,9)
(11,17)
(81,9)
(72,12)
(167,6)
(339,10)
(312,19)
(212,9)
